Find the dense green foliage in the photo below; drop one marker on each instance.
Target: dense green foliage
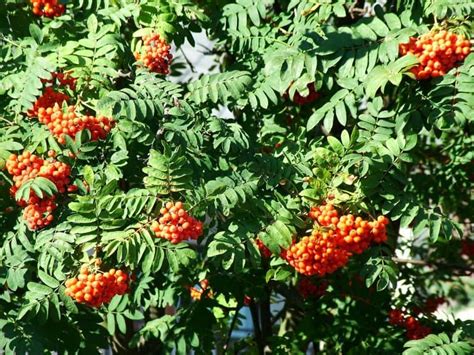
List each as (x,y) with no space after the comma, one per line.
(377,140)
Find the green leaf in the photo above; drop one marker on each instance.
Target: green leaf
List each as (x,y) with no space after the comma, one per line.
(377,79)
(36,33)
(39,288)
(277,235)
(438,344)
(48,280)
(92,24)
(121,323)
(25,309)
(167,172)
(335,145)
(114,303)
(392,145)
(88,174)
(110,323)
(345,139)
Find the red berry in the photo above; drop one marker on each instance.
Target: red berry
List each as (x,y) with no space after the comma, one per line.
(312,96)
(264,251)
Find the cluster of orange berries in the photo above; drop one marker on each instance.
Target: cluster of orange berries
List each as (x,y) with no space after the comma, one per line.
(196,293)
(312,96)
(264,251)
(437,52)
(48,8)
(67,122)
(415,330)
(95,289)
(333,240)
(175,224)
(27,166)
(155,54)
(38,212)
(307,289)
(356,232)
(50,96)
(318,254)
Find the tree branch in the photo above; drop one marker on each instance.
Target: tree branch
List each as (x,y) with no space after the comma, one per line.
(232,325)
(266,317)
(256,327)
(434,263)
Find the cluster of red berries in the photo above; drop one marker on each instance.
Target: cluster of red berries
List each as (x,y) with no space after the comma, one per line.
(307,289)
(48,8)
(155,54)
(312,96)
(95,289)
(62,79)
(333,240)
(264,251)
(27,166)
(467,248)
(196,293)
(437,52)
(67,122)
(415,330)
(430,306)
(49,98)
(175,224)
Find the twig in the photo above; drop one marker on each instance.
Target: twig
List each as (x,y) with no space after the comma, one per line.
(433,263)
(279,314)
(191,66)
(6,120)
(4,38)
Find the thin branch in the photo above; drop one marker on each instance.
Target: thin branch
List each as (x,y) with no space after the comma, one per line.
(191,66)
(4,38)
(433,263)
(279,314)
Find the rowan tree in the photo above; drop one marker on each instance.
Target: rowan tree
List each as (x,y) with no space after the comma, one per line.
(319,178)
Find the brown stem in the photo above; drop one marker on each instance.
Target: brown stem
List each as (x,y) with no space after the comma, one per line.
(434,263)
